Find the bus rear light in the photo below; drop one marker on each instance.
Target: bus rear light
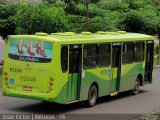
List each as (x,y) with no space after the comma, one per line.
(50,84)
(6,78)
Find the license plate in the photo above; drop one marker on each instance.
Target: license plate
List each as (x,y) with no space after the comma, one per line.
(26,88)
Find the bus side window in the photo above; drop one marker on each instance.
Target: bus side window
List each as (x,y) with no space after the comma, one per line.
(104,55)
(139,52)
(128,52)
(64,59)
(90,53)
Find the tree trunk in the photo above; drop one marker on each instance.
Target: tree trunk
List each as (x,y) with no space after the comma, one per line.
(87,14)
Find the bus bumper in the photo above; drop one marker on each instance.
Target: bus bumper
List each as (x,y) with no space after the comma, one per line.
(44,97)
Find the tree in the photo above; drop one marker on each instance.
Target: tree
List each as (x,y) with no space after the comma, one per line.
(31,18)
(7,22)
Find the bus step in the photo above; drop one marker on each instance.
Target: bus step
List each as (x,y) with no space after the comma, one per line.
(114,93)
(73,101)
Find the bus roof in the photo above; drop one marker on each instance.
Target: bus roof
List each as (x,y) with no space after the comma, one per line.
(87,37)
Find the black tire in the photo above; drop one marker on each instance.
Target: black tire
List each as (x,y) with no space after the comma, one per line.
(45,102)
(136,88)
(92,96)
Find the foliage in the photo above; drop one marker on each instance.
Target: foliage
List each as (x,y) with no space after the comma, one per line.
(76,23)
(73,15)
(31,18)
(7,23)
(144,20)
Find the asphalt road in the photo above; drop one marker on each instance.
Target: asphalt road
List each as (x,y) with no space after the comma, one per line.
(146,102)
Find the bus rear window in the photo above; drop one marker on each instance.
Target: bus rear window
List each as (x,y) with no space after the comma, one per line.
(30,50)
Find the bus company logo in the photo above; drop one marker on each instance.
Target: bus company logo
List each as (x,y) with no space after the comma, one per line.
(16,70)
(104,72)
(28,59)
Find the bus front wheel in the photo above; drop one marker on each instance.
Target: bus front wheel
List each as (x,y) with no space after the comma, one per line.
(136,88)
(92,96)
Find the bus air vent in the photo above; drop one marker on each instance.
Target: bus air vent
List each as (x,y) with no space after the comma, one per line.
(41,34)
(86,33)
(69,33)
(122,32)
(112,33)
(56,33)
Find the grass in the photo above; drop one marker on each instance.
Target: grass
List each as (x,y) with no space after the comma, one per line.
(152,116)
(158,115)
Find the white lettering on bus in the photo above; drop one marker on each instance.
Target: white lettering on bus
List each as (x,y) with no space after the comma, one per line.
(27,78)
(28,59)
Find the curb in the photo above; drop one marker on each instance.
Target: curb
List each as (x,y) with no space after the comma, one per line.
(141,118)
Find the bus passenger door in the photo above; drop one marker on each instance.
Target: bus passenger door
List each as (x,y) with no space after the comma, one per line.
(116,67)
(75,60)
(149,61)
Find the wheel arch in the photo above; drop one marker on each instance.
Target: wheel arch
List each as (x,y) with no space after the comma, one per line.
(95,83)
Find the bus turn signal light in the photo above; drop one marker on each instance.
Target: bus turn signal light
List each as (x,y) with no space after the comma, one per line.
(6,78)
(5,73)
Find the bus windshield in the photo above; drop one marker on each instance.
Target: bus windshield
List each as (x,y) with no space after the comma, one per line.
(30,50)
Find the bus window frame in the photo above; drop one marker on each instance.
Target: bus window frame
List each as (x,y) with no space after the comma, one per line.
(96,66)
(123,52)
(107,43)
(66,71)
(144,51)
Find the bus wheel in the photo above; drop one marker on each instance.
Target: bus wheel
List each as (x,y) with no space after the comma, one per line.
(45,102)
(136,89)
(92,96)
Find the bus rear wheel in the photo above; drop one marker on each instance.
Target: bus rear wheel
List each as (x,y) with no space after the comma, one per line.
(136,89)
(92,96)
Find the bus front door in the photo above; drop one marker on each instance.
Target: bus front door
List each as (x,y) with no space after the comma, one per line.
(75,59)
(116,67)
(149,61)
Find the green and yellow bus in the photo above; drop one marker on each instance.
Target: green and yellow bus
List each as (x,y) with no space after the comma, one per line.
(68,67)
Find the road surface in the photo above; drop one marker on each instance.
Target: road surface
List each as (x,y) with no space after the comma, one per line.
(147,101)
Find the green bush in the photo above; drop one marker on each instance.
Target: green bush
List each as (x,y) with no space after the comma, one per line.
(7,22)
(144,20)
(31,18)
(76,23)
(133,21)
(70,15)
(102,24)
